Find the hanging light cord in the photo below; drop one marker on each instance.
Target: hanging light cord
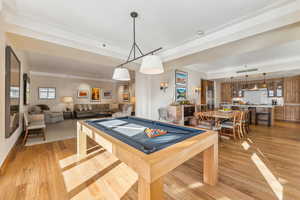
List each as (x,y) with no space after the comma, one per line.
(135,46)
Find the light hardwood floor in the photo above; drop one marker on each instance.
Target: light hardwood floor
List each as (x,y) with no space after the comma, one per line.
(264,166)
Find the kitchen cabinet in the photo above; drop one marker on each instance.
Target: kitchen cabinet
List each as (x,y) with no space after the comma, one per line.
(207,93)
(181,113)
(237,90)
(226,92)
(292,113)
(234,89)
(292,90)
(279,113)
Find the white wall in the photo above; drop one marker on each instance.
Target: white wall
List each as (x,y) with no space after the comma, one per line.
(68,87)
(149,97)
(7,143)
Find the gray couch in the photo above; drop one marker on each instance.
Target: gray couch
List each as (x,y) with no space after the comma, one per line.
(92,110)
(50,116)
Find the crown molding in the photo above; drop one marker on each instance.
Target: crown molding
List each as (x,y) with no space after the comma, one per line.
(31,27)
(36,73)
(274,16)
(278,17)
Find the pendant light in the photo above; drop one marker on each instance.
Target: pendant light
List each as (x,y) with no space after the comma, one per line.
(121,74)
(151,64)
(264,85)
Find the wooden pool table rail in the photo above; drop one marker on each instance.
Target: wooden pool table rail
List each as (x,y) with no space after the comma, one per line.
(152,167)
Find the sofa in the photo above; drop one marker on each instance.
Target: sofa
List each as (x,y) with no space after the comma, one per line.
(97,110)
(50,116)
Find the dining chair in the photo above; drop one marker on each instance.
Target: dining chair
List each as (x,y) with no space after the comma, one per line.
(205,120)
(245,122)
(232,128)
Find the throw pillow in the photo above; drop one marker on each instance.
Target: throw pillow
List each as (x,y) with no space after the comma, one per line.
(85,107)
(79,107)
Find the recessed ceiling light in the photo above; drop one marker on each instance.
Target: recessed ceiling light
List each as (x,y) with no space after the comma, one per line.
(200,33)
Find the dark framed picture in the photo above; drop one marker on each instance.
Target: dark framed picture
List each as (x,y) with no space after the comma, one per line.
(26,95)
(95,96)
(181,78)
(83,93)
(107,94)
(180,93)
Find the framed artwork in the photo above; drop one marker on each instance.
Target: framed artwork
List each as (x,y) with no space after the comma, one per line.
(83,93)
(181,78)
(126,97)
(180,93)
(95,94)
(107,94)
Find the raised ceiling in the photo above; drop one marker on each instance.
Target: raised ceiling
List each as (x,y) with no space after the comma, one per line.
(164,23)
(254,59)
(67,66)
(86,25)
(279,60)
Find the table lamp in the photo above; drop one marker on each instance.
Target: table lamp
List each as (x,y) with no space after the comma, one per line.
(68,101)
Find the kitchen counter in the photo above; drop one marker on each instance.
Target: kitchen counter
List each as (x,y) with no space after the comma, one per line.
(250,105)
(255,110)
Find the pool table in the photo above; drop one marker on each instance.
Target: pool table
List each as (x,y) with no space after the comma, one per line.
(151,158)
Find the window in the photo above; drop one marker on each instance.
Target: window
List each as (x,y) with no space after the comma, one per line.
(14,92)
(47,93)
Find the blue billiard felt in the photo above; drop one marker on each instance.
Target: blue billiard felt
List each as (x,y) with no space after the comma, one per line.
(130,130)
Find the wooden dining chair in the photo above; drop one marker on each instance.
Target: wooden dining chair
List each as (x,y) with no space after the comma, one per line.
(245,122)
(232,128)
(204,120)
(35,124)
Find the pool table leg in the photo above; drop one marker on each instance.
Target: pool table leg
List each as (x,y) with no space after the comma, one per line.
(150,191)
(81,142)
(210,165)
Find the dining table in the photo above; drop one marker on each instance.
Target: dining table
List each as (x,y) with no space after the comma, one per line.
(219,114)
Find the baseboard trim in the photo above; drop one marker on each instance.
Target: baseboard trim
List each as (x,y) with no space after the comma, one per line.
(11,155)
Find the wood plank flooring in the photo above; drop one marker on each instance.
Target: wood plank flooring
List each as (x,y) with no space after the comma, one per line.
(264,166)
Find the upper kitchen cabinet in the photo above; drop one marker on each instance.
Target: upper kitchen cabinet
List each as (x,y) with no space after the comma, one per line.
(275,87)
(226,92)
(292,90)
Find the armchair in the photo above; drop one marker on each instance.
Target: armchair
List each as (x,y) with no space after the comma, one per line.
(50,116)
(126,111)
(32,123)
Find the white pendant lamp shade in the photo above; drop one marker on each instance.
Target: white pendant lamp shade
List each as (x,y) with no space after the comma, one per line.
(151,65)
(121,74)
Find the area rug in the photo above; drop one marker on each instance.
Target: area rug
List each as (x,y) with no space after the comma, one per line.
(55,132)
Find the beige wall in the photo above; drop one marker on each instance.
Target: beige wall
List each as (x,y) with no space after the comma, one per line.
(7,143)
(68,87)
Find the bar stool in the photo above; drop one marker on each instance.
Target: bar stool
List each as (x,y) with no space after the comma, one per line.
(263,113)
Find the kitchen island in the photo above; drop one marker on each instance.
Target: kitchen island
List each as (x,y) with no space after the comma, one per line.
(260,113)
